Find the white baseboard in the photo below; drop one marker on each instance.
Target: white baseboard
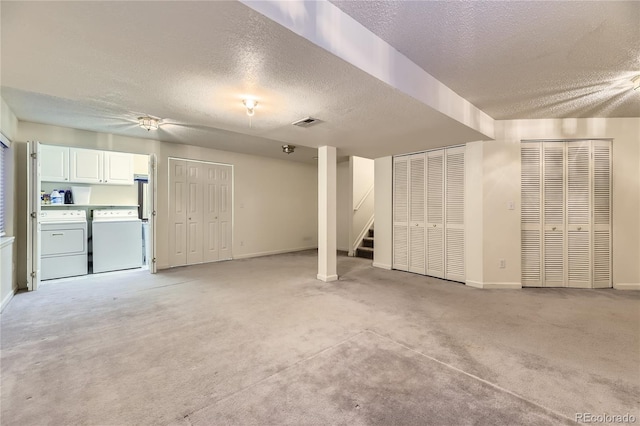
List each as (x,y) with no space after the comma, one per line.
(327,278)
(627,286)
(488,286)
(7,299)
(382,266)
(272,252)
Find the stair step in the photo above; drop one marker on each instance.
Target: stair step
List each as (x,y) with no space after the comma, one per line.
(367,242)
(366,252)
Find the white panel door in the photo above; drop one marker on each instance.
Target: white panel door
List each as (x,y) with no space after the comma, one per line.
(195,213)
(531,214)
(578,221)
(401,213)
(54,163)
(435,214)
(118,168)
(201,213)
(553,176)
(601,225)
(417,254)
(454,214)
(225,211)
(34,234)
(178,199)
(211,191)
(86,165)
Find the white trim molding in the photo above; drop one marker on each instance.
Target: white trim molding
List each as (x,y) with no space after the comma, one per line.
(494,286)
(272,252)
(382,266)
(327,278)
(627,286)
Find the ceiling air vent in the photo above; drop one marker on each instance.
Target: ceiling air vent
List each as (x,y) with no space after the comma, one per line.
(306,122)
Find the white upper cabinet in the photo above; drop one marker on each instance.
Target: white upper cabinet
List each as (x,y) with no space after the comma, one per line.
(54,163)
(118,168)
(78,165)
(86,165)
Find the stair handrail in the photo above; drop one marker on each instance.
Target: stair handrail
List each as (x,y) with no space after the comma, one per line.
(356,208)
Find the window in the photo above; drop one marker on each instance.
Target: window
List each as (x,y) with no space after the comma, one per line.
(4,144)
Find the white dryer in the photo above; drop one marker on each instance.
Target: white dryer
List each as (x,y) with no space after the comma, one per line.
(117,240)
(63,235)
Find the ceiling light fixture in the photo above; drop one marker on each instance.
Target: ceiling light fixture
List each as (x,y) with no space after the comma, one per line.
(148,123)
(636,82)
(250,104)
(288,149)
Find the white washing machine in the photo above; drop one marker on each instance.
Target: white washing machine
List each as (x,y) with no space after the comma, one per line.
(117,240)
(63,242)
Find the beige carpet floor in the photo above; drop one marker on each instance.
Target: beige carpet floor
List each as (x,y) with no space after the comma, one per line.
(262,342)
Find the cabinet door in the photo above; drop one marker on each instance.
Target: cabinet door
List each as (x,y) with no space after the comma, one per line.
(118,168)
(54,163)
(86,165)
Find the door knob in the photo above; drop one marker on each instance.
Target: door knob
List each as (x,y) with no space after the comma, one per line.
(579,228)
(553,229)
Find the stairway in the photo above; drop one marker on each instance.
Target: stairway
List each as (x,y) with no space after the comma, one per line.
(366,246)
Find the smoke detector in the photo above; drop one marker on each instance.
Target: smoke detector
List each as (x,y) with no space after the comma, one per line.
(288,149)
(306,122)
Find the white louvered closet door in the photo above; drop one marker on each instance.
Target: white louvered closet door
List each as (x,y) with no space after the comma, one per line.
(553,181)
(531,214)
(435,213)
(454,214)
(574,195)
(578,221)
(401,213)
(601,199)
(417,255)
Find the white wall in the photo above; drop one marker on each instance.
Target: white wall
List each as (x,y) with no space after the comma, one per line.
(499,227)
(383,247)
(8,277)
(344,210)
(473,215)
(275,201)
(502,184)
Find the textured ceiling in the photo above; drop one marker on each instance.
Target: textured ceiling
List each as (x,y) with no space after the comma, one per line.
(99,65)
(519,59)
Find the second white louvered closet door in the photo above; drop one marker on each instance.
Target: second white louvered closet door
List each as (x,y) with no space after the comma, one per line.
(578,232)
(435,213)
(553,174)
(417,253)
(454,214)
(401,213)
(601,251)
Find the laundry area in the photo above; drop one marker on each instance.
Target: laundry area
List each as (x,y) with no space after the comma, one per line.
(94,211)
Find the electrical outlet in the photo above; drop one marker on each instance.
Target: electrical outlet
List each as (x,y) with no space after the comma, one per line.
(503,264)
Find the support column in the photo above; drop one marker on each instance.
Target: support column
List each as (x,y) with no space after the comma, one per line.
(327,205)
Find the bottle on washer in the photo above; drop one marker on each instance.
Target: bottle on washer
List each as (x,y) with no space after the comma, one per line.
(56,198)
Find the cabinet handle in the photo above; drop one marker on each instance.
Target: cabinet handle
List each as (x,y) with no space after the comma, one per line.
(57,235)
